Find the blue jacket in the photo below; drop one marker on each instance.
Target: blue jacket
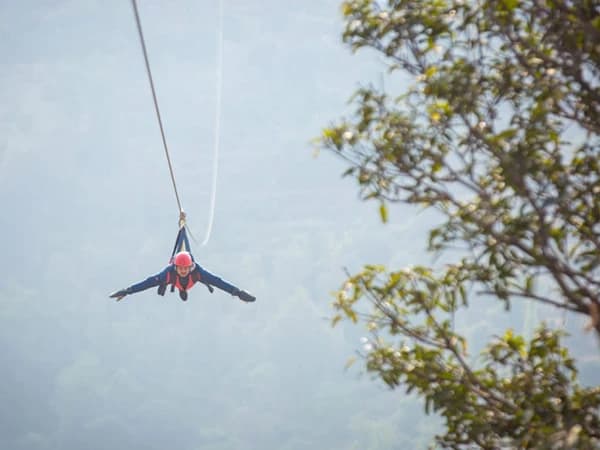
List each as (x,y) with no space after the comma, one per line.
(169,276)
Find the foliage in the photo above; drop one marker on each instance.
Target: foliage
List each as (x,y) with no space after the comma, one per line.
(499,131)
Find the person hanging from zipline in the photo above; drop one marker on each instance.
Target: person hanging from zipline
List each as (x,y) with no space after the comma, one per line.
(182,273)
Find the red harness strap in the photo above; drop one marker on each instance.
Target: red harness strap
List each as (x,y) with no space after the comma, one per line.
(174,279)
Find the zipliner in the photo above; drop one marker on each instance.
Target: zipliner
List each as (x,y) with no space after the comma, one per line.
(181,274)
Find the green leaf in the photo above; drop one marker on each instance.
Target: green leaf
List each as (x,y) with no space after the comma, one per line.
(383,213)
(350,363)
(335,320)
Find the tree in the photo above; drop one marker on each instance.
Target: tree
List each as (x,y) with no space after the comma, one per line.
(498,130)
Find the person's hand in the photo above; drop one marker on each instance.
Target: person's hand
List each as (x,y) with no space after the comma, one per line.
(245,296)
(119,294)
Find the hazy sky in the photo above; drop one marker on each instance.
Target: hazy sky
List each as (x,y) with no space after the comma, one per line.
(88,208)
(81,139)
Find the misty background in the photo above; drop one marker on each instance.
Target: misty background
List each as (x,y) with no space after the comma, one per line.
(88,208)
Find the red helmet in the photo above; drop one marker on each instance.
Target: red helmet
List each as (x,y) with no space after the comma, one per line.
(183,259)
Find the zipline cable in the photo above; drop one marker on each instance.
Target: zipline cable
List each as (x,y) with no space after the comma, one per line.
(156,108)
(217,136)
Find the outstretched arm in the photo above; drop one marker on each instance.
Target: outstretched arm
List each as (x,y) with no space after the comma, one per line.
(149,282)
(213,280)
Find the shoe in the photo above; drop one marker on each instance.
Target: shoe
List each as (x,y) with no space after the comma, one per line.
(245,296)
(119,294)
(183,295)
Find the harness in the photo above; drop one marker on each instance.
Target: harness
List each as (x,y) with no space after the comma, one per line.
(181,244)
(182,284)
